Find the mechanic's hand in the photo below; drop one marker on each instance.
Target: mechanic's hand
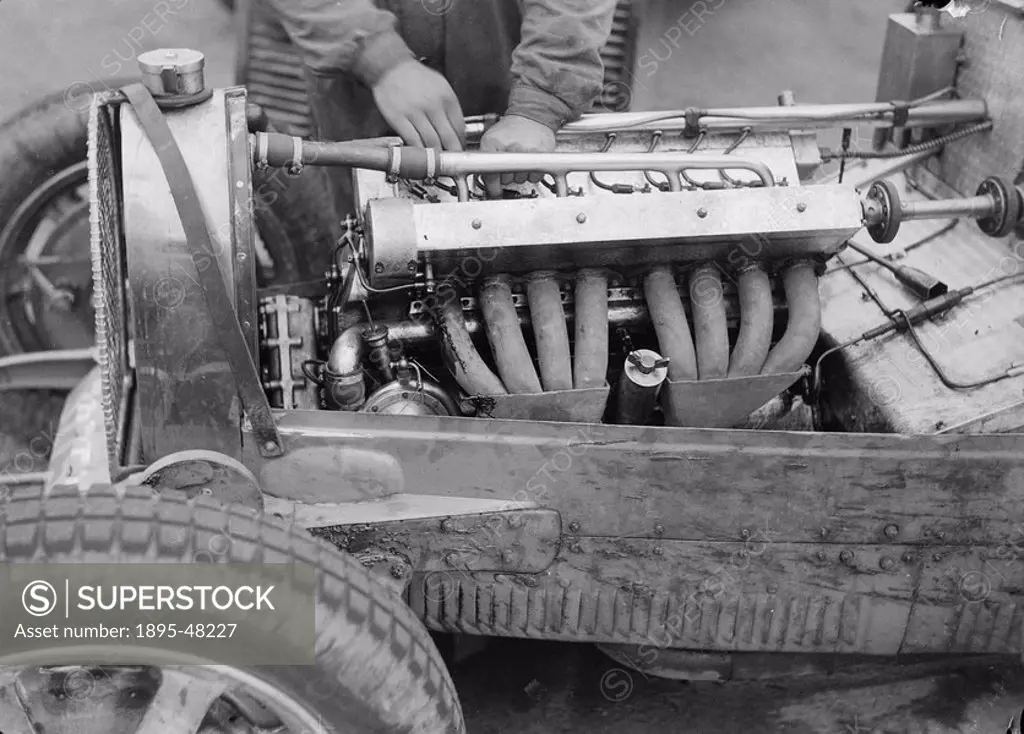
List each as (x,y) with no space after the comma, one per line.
(420,105)
(513,134)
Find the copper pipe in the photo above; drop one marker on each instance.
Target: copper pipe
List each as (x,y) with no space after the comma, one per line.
(465,363)
(757,319)
(710,329)
(506,337)
(804,326)
(549,330)
(590,368)
(670,325)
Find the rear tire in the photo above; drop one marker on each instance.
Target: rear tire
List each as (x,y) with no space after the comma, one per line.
(376,668)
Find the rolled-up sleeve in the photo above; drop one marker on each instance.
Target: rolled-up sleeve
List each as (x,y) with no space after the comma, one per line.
(556,68)
(343,37)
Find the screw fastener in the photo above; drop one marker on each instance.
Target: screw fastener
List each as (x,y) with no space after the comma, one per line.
(581,218)
(846,557)
(886,563)
(477,224)
(702,212)
(801,207)
(891,531)
(574,526)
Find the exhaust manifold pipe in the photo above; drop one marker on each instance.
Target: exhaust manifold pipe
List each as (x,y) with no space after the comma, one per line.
(757,320)
(590,368)
(512,357)
(710,328)
(670,324)
(549,330)
(470,371)
(804,326)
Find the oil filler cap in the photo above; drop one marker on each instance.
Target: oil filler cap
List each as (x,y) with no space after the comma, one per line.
(174,72)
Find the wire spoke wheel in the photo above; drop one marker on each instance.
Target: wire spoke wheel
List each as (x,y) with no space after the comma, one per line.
(45,267)
(372,664)
(149,700)
(46,282)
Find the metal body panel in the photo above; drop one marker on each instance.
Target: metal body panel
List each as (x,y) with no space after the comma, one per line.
(766,596)
(654,482)
(873,543)
(187,392)
(994,53)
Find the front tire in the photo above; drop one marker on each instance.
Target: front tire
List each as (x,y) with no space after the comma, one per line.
(376,668)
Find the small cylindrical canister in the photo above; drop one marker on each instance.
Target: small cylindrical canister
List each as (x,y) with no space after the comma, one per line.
(170,72)
(639,384)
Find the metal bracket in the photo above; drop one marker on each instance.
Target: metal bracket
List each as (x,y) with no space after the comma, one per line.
(211,278)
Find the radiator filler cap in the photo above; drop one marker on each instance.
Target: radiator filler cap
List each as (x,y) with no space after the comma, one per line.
(173,72)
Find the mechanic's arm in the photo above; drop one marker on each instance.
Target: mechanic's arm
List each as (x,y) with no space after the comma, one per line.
(557,74)
(354,37)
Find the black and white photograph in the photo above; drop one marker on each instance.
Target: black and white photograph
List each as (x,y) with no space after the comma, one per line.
(511,366)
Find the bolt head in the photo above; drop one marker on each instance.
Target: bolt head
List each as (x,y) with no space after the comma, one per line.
(515,521)
(801,207)
(574,526)
(659,529)
(886,563)
(702,212)
(270,446)
(846,556)
(744,533)
(412,266)
(581,218)
(773,588)
(507,556)
(820,555)
(892,531)
(477,224)
(378,268)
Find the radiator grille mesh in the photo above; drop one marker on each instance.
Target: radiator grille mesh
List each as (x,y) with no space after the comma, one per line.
(108,273)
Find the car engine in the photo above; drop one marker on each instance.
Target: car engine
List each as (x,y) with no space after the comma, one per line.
(568,300)
(671,281)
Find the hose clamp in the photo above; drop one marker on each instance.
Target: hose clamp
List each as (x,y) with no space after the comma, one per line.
(431,164)
(262,146)
(295,167)
(394,163)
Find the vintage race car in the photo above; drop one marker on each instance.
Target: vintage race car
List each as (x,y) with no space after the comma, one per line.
(696,397)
